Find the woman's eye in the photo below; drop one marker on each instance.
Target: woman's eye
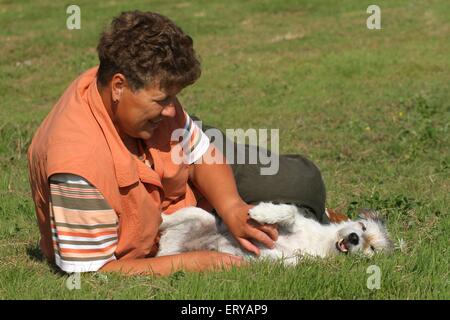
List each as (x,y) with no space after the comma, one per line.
(164,101)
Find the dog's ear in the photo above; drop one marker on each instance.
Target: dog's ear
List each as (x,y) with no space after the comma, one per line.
(372,215)
(369,214)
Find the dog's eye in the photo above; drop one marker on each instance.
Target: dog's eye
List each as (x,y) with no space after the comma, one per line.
(372,248)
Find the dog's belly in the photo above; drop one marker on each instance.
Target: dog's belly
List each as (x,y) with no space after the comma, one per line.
(194,230)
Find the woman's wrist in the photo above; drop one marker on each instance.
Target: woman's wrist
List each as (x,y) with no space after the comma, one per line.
(230,208)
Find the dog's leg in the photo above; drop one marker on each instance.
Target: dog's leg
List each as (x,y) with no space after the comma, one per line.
(281,214)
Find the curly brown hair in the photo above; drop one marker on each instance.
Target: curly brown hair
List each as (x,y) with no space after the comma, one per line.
(146,46)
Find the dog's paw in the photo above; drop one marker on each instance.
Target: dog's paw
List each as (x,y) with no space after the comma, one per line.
(281,214)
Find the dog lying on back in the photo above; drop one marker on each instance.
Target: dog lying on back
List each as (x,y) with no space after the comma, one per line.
(192,229)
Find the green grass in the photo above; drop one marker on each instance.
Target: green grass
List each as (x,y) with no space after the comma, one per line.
(371,108)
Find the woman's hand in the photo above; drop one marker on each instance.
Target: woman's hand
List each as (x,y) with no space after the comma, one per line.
(245,229)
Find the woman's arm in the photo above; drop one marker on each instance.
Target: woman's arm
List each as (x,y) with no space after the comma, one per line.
(166,265)
(217,184)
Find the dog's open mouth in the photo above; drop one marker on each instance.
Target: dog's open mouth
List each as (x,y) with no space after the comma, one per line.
(341,247)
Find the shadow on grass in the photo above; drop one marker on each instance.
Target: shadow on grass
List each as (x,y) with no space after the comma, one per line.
(35,254)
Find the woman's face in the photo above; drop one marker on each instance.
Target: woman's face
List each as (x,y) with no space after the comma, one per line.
(137,114)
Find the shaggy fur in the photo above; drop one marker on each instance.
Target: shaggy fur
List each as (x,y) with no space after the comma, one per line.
(191,229)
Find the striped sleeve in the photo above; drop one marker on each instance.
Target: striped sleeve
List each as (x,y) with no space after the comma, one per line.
(84,226)
(195,142)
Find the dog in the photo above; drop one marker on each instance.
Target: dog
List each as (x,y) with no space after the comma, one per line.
(192,228)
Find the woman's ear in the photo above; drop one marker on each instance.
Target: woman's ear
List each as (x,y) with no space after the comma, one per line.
(118,83)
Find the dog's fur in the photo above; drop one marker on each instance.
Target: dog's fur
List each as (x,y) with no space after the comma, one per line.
(191,229)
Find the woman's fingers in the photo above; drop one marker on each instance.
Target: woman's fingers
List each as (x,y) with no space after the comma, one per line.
(247,245)
(264,234)
(262,237)
(270,229)
(259,236)
(235,260)
(226,261)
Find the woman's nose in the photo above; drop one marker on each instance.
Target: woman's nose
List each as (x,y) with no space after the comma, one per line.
(169,111)
(353,238)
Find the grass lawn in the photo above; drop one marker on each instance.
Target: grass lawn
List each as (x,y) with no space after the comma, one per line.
(370,107)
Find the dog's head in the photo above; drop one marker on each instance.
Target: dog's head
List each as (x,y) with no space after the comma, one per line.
(367,235)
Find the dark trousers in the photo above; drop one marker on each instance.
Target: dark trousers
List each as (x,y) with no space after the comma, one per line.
(298,181)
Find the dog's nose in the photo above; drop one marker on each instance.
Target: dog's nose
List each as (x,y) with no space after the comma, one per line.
(353,238)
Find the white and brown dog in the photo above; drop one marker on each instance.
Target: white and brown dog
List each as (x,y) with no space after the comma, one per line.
(192,229)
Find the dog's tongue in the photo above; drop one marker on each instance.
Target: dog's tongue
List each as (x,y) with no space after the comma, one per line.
(343,247)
